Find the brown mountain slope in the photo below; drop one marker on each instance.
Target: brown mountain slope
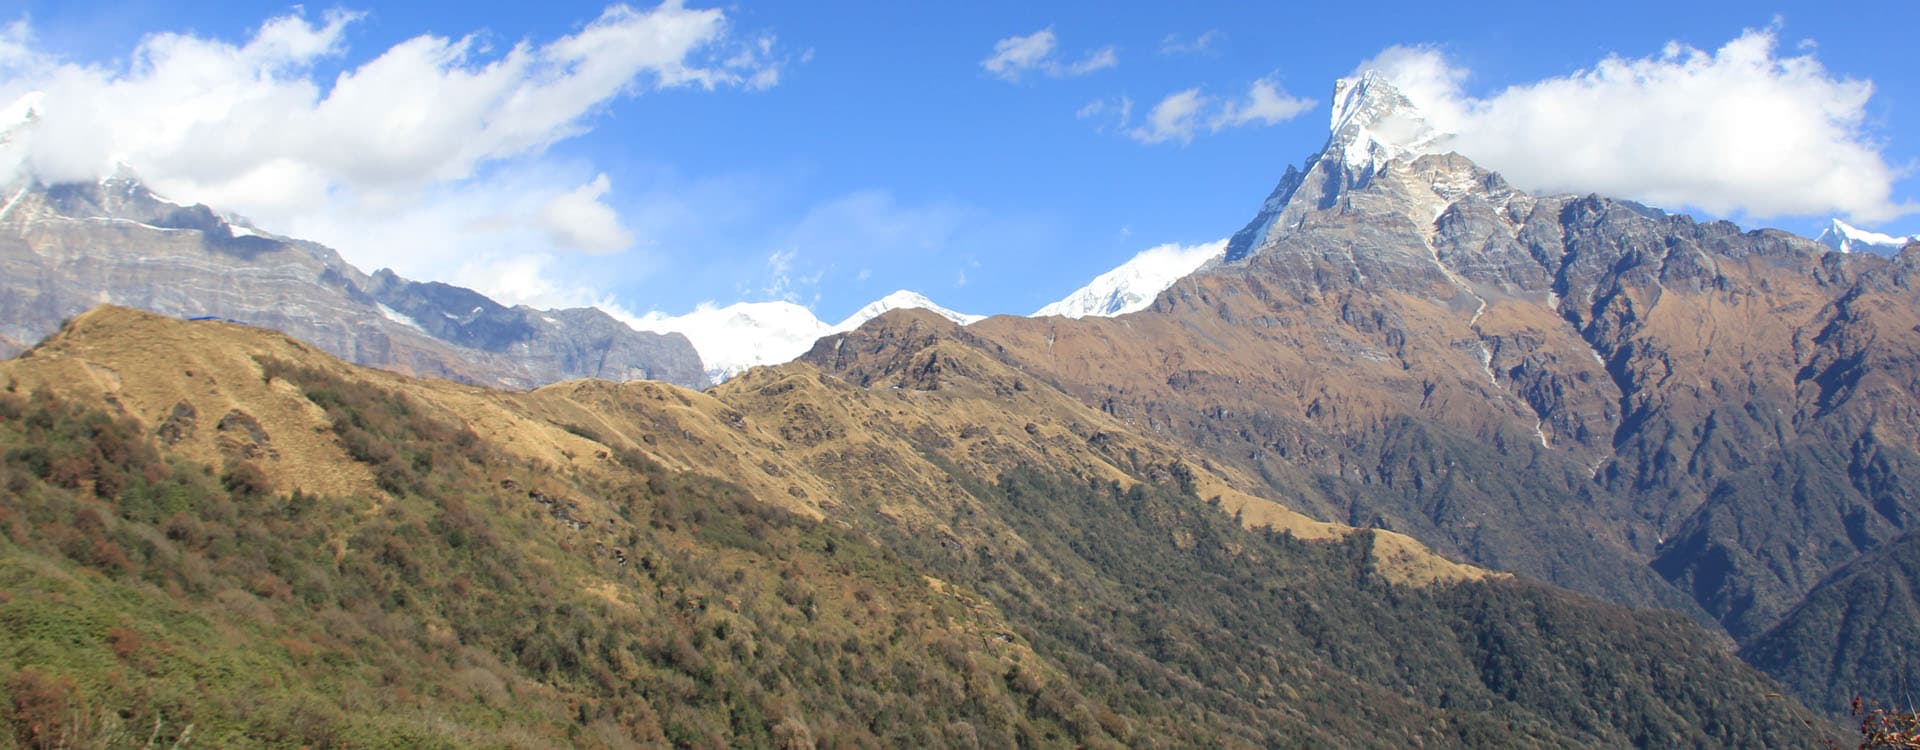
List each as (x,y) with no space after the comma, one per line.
(994,559)
(1556,386)
(791,435)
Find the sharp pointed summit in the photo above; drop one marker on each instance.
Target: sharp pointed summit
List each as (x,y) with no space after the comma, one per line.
(1373,124)
(1847,238)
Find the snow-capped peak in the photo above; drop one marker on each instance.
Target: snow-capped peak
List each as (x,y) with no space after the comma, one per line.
(1133,285)
(16,129)
(899,300)
(1373,123)
(741,335)
(1847,238)
(733,338)
(23,110)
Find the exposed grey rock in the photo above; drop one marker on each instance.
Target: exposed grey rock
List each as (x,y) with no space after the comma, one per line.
(1740,403)
(65,248)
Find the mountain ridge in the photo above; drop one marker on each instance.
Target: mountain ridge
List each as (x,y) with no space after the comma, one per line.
(1619,400)
(1132,285)
(1846,238)
(66,247)
(926,564)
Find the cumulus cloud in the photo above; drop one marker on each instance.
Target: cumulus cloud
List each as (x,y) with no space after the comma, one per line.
(428,139)
(1180,115)
(577,219)
(1016,56)
(1737,131)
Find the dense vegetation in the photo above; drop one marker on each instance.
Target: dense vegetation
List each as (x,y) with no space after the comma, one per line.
(1768,535)
(484,600)
(1854,635)
(1161,605)
(147,599)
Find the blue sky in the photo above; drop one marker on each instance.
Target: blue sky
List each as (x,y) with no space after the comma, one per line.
(828,153)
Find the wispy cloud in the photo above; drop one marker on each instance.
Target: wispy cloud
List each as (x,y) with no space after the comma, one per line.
(1115,113)
(1183,114)
(1016,56)
(1206,42)
(783,281)
(1738,130)
(1265,104)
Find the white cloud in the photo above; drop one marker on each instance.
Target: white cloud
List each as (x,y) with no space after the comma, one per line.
(1266,104)
(578,220)
(1427,78)
(1739,130)
(780,274)
(1016,56)
(1174,119)
(1206,42)
(430,140)
(522,280)
(1180,115)
(1099,59)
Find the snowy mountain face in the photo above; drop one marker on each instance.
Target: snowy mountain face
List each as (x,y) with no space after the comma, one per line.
(743,335)
(902,299)
(1373,125)
(1846,238)
(16,128)
(1132,286)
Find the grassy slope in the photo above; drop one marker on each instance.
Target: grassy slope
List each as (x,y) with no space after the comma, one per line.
(483,579)
(464,611)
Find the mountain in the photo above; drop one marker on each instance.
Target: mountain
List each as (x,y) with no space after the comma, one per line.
(733,338)
(903,300)
(1856,628)
(1629,403)
(1846,238)
(902,540)
(743,335)
(1132,285)
(67,247)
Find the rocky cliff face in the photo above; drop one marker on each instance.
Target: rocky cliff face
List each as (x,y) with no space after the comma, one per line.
(1635,404)
(65,248)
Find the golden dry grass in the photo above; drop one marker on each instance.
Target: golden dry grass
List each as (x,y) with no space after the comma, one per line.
(790,435)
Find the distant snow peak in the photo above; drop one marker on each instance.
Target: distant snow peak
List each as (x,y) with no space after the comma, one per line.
(743,335)
(1133,285)
(1846,238)
(16,132)
(1374,123)
(734,338)
(900,300)
(22,110)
